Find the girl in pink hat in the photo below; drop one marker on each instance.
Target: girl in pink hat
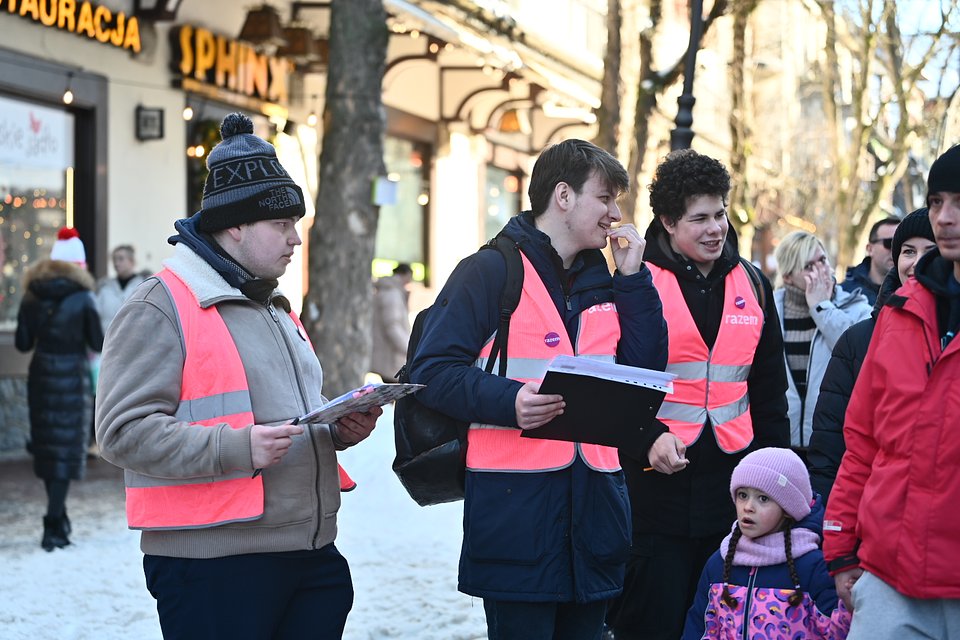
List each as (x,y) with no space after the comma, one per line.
(768,579)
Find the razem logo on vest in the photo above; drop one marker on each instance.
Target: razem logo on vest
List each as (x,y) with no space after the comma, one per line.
(552,339)
(82,18)
(740,303)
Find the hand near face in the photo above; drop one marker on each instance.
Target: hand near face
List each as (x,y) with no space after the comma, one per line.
(627,246)
(819,284)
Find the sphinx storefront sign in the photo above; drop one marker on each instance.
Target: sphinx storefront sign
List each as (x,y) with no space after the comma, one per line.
(82,18)
(200,56)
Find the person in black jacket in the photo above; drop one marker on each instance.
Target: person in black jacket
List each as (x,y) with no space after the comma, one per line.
(58,318)
(913,238)
(679,488)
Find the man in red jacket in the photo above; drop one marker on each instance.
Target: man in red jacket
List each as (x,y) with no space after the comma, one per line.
(891,527)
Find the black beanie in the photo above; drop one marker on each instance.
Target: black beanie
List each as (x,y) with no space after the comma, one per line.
(246,182)
(945,172)
(915,225)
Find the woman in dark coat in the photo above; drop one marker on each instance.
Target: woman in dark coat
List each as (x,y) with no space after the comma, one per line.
(58,318)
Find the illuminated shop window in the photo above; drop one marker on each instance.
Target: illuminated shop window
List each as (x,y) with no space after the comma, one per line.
(36,199)
(401,230)
(502,199)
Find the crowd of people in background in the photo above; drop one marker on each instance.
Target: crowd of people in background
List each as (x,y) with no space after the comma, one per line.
(799,482)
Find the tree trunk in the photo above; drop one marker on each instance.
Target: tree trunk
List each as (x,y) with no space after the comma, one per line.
(740,200)
(651,85)
(337,305)
(608,115)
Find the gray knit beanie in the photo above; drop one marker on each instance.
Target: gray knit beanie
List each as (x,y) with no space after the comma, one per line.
(246,182)
(779,473)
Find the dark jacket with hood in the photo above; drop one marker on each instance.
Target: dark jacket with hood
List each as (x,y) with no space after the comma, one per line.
(696,502)
(556,536)
(826,440)
(858,277)
(58,318)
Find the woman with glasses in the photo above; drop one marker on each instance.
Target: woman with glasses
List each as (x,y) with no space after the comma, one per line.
(814,311)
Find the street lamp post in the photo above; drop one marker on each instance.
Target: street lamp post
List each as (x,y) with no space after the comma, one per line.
(682,134)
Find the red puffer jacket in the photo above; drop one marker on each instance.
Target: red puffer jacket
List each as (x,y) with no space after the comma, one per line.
(898,488)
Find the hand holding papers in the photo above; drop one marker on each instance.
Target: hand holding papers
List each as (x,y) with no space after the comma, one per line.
(606,403)
(358,400)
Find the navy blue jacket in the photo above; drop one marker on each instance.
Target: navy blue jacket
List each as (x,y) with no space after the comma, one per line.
(556,536)
(858,277)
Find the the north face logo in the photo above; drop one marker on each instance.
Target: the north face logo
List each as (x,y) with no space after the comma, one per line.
(280,198)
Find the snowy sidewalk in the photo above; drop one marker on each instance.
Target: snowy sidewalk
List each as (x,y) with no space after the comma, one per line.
(403,559)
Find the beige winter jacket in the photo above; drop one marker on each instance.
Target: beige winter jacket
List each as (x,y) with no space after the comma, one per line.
(138,394)
(391,327)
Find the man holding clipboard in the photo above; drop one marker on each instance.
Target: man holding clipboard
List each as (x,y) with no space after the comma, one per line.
(546,524)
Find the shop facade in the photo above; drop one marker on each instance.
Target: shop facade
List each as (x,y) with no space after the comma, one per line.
(468,108)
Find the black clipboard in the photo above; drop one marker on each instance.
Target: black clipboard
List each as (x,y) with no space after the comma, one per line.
(612,411)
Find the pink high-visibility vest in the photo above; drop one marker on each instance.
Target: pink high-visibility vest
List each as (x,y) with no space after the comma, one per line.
(711,383)
(213,391)
(537,334)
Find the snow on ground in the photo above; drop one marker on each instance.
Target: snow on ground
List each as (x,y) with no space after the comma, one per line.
(403,559)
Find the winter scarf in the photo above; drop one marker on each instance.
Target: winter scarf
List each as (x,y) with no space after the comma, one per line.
(798,331)
(206,247)
(769,550)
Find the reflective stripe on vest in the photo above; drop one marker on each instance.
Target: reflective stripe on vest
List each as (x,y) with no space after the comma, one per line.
(537,334)
(711,383)
(213,391)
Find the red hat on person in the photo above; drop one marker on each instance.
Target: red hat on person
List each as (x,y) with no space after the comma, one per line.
(69,247)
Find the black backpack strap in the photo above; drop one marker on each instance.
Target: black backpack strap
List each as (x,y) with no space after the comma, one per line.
(754,274)
(509,298)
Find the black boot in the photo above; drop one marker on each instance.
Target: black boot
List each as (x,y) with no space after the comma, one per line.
(54,536)
(67,529)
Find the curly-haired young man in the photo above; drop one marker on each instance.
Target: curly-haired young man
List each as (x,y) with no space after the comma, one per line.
(727,351)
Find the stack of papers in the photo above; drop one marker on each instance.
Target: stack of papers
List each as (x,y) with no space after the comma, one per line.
(358,400)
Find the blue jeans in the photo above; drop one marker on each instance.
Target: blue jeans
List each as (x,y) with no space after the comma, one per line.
(544,620)
(299,594)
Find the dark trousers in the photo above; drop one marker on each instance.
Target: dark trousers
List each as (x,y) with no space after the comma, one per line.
(544,620)
(661,581)
(56,497)
(302,594)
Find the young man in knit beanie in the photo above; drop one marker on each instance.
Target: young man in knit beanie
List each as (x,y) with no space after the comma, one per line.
(892,519)
(913,238)
(204,370)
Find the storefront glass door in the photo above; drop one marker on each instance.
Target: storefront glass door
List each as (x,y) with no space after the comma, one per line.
(36,194)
